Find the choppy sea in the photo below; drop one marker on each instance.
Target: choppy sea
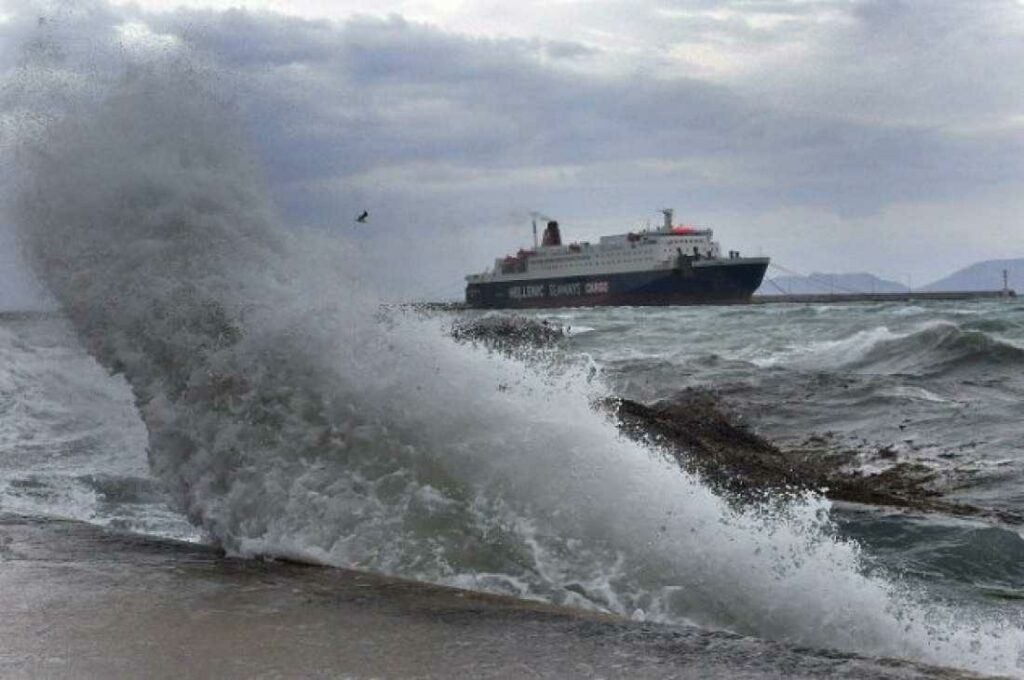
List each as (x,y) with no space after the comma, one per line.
(937,383)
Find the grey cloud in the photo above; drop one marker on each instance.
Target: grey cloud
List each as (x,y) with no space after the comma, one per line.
(557,49)
(940,63)
(389,92)
(241,38)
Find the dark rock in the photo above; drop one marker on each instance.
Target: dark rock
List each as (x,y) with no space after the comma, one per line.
(706,441)
(887,452)
(507,333)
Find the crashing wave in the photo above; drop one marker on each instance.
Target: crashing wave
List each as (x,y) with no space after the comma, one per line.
(287,418)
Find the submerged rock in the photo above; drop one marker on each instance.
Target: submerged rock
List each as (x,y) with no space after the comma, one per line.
(507,333)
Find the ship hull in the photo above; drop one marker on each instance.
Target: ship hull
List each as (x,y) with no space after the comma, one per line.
(725,282)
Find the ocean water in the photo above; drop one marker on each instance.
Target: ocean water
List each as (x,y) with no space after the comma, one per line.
(936,383)
(74,445)
(219,375)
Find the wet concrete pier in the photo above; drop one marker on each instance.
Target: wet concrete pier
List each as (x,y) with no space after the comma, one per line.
(78,601)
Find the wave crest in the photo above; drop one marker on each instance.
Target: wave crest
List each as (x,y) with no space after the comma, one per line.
(939,348)
(931,349)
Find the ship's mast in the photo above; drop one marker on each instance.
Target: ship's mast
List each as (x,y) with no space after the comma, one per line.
(534,233)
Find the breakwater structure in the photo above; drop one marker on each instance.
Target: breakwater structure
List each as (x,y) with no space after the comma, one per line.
(905,296)
(835,293)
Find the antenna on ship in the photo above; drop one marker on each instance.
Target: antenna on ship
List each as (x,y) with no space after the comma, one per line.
(535,233)
(667,212)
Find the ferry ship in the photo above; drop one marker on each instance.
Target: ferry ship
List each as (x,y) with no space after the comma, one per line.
(672,265)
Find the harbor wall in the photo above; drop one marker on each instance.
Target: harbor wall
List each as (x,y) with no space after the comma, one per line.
(906,296)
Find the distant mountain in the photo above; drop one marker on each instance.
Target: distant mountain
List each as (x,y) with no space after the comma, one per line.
(818,283)
(986,275)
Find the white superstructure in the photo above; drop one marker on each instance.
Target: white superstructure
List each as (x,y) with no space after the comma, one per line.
(644,250)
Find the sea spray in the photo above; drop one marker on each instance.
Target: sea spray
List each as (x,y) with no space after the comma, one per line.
(286,416)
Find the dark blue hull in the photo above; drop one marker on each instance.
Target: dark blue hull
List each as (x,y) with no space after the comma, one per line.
(724,282)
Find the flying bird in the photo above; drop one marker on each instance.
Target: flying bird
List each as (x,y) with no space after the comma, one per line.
(362,218)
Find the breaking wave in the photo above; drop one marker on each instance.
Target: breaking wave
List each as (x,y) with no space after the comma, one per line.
(939,348)
(286,416)
(931,349)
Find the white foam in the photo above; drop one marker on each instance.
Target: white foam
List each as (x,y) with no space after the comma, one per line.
(822,353)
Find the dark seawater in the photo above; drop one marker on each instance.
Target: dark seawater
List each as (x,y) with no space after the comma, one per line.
(940,383)
(937,383)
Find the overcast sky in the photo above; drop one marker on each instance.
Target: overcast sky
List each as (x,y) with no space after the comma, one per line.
(831,135)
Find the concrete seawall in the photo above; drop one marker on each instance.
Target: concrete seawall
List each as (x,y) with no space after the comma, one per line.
(77,601)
